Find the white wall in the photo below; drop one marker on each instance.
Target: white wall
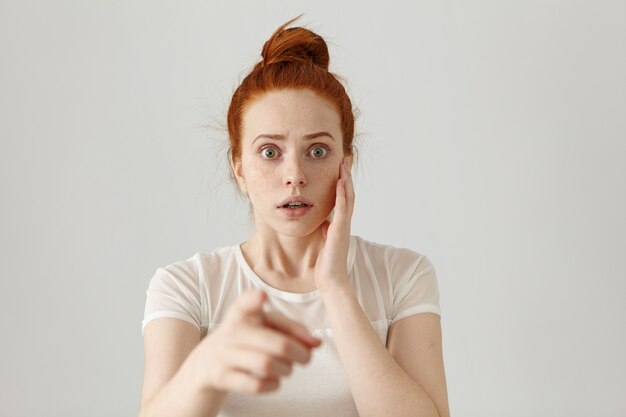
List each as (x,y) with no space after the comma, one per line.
(493,132)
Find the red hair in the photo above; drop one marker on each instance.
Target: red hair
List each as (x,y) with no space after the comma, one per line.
(294,58)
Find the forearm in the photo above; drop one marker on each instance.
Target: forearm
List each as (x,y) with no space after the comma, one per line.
(379,385)
(182,396)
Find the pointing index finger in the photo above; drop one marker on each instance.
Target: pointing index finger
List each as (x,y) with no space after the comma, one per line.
(279,322)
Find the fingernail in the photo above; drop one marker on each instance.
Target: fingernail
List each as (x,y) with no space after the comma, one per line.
(305,334)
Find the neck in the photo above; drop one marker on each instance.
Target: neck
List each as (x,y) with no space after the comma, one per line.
(288,256)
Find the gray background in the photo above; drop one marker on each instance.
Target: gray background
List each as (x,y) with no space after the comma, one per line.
(492,138)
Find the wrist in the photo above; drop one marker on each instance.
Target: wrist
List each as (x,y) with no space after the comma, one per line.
(335,287)
(197,375)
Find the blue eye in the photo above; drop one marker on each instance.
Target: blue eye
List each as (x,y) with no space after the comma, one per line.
(269,153)
(319,152)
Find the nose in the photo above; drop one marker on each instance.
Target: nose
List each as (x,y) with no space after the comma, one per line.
(294,174)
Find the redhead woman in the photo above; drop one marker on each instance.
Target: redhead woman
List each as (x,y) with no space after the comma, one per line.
(303,318)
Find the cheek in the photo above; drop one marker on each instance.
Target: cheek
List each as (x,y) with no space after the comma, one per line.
(263,181)
(253,173)
(258,178)
(257,184)
(328,183)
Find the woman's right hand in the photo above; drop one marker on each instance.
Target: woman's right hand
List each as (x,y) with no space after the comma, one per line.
(252,349)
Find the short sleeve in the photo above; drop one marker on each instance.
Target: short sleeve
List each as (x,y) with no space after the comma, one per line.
(174,292)
(416,290)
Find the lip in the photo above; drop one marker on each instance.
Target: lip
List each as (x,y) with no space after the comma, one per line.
(294,199)
(295,212)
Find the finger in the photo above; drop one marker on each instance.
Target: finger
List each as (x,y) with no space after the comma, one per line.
(340,192)
(274,343)
(258,364)
(286,325)
(249,303)
(349,187)
(340,201)
(243,382)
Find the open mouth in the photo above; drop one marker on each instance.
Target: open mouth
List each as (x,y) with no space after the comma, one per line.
(295,205)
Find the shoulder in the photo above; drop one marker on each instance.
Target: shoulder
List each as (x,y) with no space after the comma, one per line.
(187,289)
(200,259)
(196,268)
(396,260)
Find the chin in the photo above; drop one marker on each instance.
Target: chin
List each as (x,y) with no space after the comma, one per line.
(300,227)
(299,230)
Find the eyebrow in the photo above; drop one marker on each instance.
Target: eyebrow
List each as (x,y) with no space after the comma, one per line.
(282,137)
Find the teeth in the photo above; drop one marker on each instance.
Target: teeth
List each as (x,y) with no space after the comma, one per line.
(295,204)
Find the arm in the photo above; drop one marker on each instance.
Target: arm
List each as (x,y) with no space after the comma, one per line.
(380,386)
(170,386)
(415,343)
(186,376)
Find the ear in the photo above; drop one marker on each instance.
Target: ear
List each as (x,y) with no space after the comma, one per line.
(237,168)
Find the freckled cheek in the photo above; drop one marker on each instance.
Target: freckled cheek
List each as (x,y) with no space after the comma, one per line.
(328,184)
(264,181)
(261,186)
(259,178)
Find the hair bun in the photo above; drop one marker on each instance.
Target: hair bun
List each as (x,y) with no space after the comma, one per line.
(297,45)
(294,58)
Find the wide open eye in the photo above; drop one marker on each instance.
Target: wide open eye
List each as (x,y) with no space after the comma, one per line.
(319,152)
(269,153)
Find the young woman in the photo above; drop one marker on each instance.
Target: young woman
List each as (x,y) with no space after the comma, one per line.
(303,319)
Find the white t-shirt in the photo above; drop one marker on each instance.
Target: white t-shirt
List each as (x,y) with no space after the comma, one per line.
(390,283)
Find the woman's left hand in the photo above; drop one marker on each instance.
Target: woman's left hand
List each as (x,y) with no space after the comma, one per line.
(331,269)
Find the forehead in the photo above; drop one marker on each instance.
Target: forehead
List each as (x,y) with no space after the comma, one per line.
(290,112)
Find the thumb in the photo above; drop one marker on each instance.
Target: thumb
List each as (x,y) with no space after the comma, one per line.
(250,303)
